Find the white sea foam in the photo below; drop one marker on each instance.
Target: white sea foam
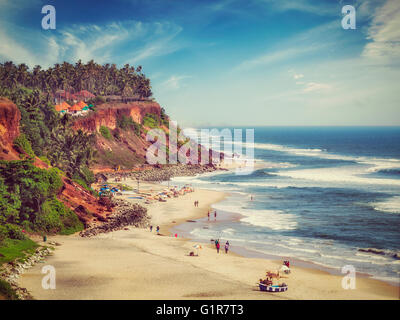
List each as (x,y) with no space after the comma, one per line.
(391,205)
(274,220)
(375,163)
(271,219)
(344,174)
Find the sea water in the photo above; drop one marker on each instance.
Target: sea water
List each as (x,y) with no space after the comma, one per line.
(320,195)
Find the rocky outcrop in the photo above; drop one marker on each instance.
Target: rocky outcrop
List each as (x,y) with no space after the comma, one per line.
(164,173)
(13,270)
(87,207)
(9,129)
(108,113)
(125,214)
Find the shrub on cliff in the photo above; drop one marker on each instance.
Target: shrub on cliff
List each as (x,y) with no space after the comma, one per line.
(126,122)
(150,120)
(22,144)
(105,132)
(56,218)
(7,291)
(27,198)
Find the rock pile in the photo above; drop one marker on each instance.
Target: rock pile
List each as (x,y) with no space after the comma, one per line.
(165,173)
(125,214)
(13,270)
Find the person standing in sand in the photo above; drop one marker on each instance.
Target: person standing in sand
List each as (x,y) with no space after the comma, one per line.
(208,215)
(151,228)
(226,246)
(215,215)
(158,230)
(218,245)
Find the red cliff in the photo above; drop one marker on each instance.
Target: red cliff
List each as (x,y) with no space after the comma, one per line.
(86,206)
(107,114)
(9,129)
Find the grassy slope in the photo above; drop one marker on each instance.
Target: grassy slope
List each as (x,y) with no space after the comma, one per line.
(16,249)
(11,250)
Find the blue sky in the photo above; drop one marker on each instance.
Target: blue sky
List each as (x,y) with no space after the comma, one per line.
(230,62)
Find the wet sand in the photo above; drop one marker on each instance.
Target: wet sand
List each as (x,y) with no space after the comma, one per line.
(137,264)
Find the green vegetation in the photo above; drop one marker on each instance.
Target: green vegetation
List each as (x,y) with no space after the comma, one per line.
(164,118)
(16,249)
(6,291)
(99,79)
(126,122)
(151,121)
(105,132)
(49,135)
(22,144)
(28,200)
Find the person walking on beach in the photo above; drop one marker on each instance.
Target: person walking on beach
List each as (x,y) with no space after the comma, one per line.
(215,215)
(218,247)
(208,215)
(158,230)
(151,228)
(226,247)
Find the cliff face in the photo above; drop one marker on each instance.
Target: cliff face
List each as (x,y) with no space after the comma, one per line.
(9,129)
(125,149)
(107,115)
(85,205)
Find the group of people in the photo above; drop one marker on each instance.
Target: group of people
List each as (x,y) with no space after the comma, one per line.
(218,246)
(215,215)
(157,229)
(196,203)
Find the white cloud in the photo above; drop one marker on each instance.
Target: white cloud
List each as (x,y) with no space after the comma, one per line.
(298,76)
(384,34)
(122,42)
(315,86)
(174,82)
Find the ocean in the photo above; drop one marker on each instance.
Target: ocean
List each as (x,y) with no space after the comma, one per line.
(324,195)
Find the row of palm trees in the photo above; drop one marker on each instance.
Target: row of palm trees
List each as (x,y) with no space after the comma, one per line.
(98,79)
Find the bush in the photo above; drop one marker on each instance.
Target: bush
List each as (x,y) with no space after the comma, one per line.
(125,122)
(7,291)
(150,120)
(56,218)
(14,249)
(23,145)
(105,132)
(45,160)
(14,232)
(97,100)
(3,234)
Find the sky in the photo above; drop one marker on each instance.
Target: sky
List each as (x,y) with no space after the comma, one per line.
(229,62)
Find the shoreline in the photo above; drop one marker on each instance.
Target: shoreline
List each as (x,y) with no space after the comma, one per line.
(135,264)
(247,252)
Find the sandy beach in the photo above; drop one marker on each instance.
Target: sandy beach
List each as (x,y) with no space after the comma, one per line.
(137,264)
